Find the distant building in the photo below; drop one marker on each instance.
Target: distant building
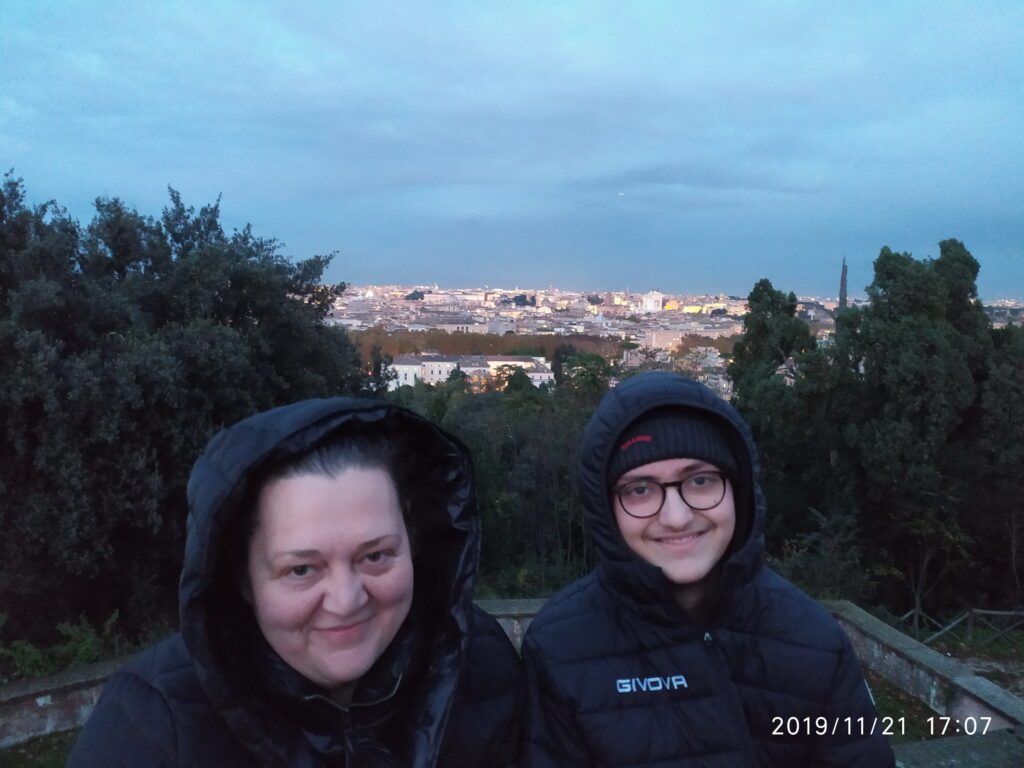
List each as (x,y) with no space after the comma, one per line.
(479,370)
(407,369)
(652,301)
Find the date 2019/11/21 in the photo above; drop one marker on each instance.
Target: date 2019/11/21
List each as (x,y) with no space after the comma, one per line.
(887,726)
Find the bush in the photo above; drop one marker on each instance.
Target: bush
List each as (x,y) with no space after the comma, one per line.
(826,562)
(83,644)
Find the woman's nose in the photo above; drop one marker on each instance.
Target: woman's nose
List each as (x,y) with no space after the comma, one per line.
(344,592)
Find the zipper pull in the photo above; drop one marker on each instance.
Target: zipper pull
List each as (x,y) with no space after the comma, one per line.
(707,638)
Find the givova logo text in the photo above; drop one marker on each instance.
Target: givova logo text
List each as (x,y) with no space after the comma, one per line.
(635,684)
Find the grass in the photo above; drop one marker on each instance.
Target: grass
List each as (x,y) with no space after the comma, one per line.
(50,751)
(1008,647)
(909,717)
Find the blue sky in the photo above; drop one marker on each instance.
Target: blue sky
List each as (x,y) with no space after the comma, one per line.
(690,147)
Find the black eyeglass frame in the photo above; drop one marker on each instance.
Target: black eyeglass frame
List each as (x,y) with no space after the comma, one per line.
(678,484)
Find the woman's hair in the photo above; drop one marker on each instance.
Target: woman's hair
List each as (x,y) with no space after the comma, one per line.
(335,454)
(357,447)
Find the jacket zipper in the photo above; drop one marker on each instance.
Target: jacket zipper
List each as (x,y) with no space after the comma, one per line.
(733,699)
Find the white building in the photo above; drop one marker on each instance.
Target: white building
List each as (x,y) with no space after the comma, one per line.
(435,369)
(652,301)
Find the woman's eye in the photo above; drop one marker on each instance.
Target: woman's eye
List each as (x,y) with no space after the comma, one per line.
(639,489)
(376,557)
(300,570)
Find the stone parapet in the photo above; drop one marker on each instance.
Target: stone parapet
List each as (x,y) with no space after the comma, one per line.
(30,708)
(943,684)
(514,616)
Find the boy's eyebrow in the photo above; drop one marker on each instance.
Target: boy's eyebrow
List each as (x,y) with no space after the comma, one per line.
(629,477)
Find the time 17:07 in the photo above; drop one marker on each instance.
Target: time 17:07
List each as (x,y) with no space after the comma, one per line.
(942,726)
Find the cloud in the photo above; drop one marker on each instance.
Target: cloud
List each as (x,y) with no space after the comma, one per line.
(567,129)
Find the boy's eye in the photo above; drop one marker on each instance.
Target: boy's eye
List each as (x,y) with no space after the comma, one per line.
(637,489)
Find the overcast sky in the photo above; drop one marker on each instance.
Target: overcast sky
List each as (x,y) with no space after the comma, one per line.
(690,147)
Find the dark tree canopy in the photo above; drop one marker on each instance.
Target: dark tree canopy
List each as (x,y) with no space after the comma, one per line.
(126,344)
(891,433)
(771,333)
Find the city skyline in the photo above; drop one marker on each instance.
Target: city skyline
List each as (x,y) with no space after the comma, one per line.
(679,146)
(861,296)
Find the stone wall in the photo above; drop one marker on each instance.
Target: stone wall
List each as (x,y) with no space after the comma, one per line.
(513,615)
(63,701)
(30,708)
(943,684)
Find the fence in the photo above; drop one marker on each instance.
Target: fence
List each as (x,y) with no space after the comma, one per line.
(1001,622)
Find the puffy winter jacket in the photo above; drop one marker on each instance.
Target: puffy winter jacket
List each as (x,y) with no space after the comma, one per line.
(619,675)
(446,692)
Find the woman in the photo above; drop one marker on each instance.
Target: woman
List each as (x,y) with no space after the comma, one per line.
(682,649)
(326,608)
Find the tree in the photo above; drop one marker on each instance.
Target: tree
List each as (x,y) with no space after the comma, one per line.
(524,446)
(126,345)
(587,375)
(519,381)
(458,380)
(771,333)
(923,353)
(511,376)
(562,353)
(1001,451)
(892,427)
(382,373)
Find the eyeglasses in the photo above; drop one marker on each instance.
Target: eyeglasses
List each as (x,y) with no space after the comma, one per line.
(645,498)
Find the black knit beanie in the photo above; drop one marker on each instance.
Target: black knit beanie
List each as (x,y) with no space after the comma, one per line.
(672,432)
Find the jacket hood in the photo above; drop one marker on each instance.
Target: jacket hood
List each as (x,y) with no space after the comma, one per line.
(261,697)
(637,582)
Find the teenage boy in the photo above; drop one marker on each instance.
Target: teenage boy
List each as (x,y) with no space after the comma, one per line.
(682,648)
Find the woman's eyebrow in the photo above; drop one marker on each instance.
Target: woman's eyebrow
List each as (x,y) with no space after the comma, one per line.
(303,553)
(377,541)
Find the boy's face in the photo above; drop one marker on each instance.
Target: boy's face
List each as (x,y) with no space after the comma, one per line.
(685,543)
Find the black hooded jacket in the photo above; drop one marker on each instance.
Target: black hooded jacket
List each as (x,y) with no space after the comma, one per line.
(619,675)
(447,691)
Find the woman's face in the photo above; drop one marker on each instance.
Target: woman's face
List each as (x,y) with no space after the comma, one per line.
(330,572)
